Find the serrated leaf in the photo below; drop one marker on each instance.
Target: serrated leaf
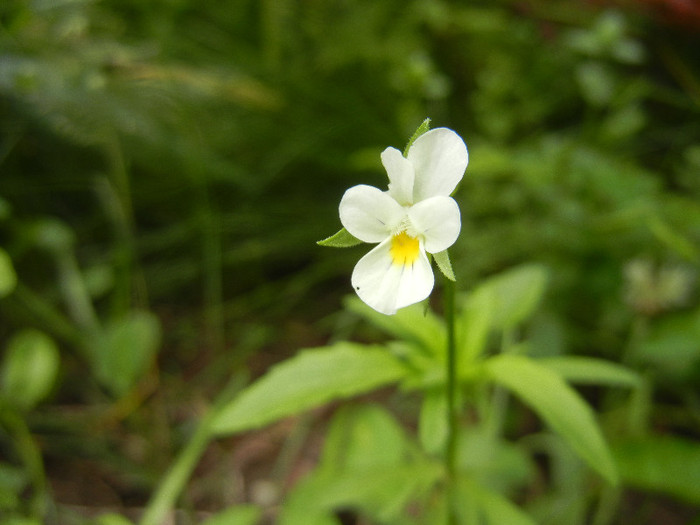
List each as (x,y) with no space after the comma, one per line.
(443,262)
(558,404)
(342,239)
(423,128)
(308,380)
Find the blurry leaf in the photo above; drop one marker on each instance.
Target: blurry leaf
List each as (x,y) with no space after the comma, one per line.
(443,262)
(666,464)
(126,350)
(432,422)
(411,324)
(597,83)
(308,380)
(558,404)
(8,277)
(381,492)
(515,293)
(474,324)
(238,515)
(591,371)
(674,239)
(111,519)
(494,463)
(342,239)
(13,481)
(672,344)
(361,437)
(495,508)
(29,368)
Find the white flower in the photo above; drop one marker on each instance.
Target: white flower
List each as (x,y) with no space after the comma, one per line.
(416,215)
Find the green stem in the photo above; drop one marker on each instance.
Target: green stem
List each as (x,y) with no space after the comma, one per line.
(452,408)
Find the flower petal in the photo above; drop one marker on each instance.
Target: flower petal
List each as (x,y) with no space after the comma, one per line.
(438,220)
(386,286)
(369,213)
(401,175)
(439,158)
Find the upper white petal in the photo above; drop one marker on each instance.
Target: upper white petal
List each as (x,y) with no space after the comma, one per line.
(439,158)
(369,213)
(386,286)
(438,220)
(401,175)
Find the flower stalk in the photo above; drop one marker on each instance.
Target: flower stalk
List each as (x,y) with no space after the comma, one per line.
(452,402)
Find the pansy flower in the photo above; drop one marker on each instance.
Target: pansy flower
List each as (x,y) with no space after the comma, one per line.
(415,217)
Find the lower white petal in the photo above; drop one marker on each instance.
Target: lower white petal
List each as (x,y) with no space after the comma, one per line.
(387,286)
(438,220)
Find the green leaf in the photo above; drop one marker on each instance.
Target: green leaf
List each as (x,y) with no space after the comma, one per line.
(8,277)
(238,515)
(558,404)
(666,464)
(423,128)
(342,239)
(29,368)
(591,371)
(111,519)
(362,436)
(432,422)
(495,508)
(516,293)
(126,350)
(307,380)
(382,492)
(473,326)
(443,262)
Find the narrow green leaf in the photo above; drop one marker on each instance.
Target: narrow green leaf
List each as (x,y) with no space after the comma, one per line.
(516,293)
(308,380)
(473,326)
(8,277)
(495,508)
(443,262)
(432,423)
(424,127)
(591,371)
(662,464)
(342,239)
(238,515)
(558,404)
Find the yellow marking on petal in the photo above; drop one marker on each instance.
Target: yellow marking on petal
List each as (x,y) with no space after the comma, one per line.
(404,249)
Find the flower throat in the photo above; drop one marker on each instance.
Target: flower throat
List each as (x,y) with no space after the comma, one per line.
(404,249)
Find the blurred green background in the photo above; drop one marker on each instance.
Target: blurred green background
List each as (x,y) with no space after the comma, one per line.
(166,168)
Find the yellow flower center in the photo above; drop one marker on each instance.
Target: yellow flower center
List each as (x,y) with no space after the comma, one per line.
(404,249)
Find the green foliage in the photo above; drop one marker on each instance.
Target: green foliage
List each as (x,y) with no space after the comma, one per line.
(126,350)
(342,239)
(29,369)
(8,277)
(560,406)
(309,380)
(664,464)
(239,515)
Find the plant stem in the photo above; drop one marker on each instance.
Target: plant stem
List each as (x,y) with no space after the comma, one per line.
(452,408)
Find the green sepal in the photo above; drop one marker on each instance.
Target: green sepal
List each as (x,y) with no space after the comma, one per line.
(443,262)
(425,126)
(342,239)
